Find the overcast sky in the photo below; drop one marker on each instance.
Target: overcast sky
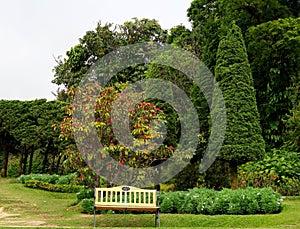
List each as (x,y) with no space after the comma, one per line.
(33,32)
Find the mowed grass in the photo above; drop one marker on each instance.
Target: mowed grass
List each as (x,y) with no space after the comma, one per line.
(35,208)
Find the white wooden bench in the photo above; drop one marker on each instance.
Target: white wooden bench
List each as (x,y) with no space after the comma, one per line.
(126,198)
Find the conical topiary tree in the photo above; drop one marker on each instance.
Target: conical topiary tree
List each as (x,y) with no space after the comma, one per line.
(243,140)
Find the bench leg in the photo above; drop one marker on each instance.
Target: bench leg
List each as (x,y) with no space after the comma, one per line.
(157,219)
(94,217)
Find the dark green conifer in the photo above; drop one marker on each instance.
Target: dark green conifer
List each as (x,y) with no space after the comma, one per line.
(243,139)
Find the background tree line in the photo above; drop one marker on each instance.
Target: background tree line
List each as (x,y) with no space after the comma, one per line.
(29,142)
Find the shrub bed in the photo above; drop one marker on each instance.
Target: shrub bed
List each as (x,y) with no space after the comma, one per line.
(208,201)
(66,188)
(211,202)
(279,169)
(51,179)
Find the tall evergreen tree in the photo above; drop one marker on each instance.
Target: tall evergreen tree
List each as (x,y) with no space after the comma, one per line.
(243,140)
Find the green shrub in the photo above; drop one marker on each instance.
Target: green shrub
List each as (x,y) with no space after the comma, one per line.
(269,201)
(209,203)
(67,179)
(85,194)
(279,170)
(47,178)
(13,167)
(63,180)
(195,197)
(53,187)
(171,202)
(70,179)
(167,205)
(226,201)
(87,206)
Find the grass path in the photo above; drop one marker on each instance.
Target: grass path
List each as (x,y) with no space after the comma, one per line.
(20,206)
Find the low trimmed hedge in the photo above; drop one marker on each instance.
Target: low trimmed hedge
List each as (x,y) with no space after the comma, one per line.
(51,179)
(227,201)
(208,201)
(65,188)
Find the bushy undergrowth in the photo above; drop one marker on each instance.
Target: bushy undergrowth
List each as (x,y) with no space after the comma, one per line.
(87,206)
(54,183)
(51,179)
(85,194)
(66,188)
(279,170)
(226,201)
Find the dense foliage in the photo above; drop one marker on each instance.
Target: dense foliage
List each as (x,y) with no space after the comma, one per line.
(226,201)
(26,132)
(144,127)
(70,183)
(274,53)
(243,140)
(36,136)
(65,188)
(279,169)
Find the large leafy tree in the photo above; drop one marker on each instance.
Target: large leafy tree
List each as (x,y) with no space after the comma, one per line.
(143,125)
(274,53)
(292,135)
(104,39)
(207,17)
(243,141)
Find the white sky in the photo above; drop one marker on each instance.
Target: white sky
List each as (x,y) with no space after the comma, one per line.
(33,32)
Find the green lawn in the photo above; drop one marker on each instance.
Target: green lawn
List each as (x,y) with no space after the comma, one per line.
(20,206)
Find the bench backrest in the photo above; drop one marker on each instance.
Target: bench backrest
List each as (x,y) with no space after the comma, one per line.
(126,196)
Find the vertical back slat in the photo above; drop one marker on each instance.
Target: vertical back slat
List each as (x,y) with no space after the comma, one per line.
(134,197)
(106,196)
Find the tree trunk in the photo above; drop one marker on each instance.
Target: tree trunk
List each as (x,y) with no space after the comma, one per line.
(21,164)
(97,181)
(25,160)
(157,187)
(4,161)
(52,165)
(62,169)
(234,175)
(58,164)
(30,160)
(45,161)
